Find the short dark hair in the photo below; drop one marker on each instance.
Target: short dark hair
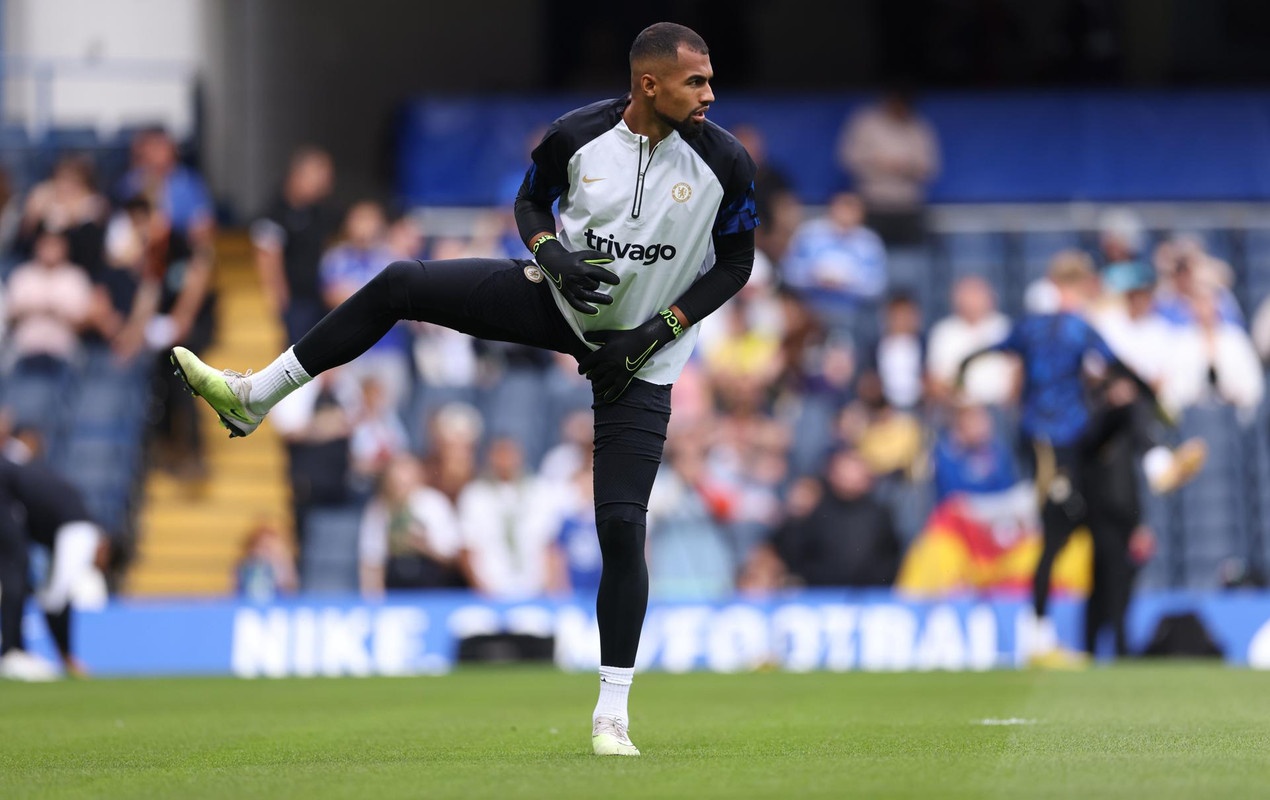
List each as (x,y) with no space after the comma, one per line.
(662,40)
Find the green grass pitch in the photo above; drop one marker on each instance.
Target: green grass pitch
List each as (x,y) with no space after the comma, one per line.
(1156,731)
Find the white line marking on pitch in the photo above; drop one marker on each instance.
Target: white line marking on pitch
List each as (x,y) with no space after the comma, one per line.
(1007,721)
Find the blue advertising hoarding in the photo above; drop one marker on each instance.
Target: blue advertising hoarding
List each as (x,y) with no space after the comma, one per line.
(419,633)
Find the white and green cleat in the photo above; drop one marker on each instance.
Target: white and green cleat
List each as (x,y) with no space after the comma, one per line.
(224,390)
(608,738)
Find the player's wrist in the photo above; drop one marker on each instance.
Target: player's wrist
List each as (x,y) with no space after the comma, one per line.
(543,243)
(669,323)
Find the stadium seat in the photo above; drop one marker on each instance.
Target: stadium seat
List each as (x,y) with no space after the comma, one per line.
(1036,248)
(985,254)
(328,564)
(1213,506)
(72,138)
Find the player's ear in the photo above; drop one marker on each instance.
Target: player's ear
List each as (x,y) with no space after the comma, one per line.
(648,83)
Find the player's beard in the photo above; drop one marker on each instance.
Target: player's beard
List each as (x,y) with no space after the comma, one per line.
(688,128)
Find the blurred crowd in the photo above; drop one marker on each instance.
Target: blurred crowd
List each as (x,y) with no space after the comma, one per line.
(815,432)
(101,272)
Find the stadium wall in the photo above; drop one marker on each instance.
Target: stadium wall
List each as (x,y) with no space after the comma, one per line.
(1006,147)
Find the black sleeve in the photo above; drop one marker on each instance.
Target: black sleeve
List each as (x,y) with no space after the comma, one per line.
(546,179)
(733,241)
(733,261)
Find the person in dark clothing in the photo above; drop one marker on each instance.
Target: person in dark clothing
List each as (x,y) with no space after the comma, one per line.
(39,506)
(849,537)
(290,238)
(1065,430)
(1114,517)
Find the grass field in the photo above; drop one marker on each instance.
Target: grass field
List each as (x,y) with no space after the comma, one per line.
(1140,731)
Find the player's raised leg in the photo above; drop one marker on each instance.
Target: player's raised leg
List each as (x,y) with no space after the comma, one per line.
(484,297)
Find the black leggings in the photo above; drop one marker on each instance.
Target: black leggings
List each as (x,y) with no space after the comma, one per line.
(499,299)
(1065,504)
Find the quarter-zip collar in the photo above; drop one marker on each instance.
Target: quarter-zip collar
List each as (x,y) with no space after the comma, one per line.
(644,153)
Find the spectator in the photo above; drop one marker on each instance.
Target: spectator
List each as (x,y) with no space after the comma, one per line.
(573,447)
(1128,321)
(1213,361)
(892,154)
(974,324)
(888,440)
(49,304)
(129,286)
(848,539)
(11,207)
(740,361)
(378,434)
(316,423)
(1185,271)
(347,267)
(1261,331)
(775,198)
(265,569)
(749,461)
(1121,236)
(970,457)
(510,523)
(690,555)
(184,229)
(67,203)
(898,355)
(838,266)
(290,237)
(409,538)
(455,433)
(575,556)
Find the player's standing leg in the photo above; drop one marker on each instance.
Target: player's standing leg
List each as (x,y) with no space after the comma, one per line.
(1063,509)
(630,434)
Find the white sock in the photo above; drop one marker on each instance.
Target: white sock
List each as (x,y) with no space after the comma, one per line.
(615,687)
(275,382)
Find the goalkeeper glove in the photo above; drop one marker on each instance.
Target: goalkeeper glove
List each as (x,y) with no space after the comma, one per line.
(577,275)
(623,353)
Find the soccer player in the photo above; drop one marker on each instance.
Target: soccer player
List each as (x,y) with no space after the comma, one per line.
(37,505)
(1066,432)
(655,231)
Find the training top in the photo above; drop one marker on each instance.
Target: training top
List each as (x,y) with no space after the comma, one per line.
(1053,348)
(665,214)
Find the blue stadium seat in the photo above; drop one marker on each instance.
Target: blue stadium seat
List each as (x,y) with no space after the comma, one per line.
(972,253)
(328,563)
(72,138)
(1036,248)
(1213,507)
(1255,269)
(19,156)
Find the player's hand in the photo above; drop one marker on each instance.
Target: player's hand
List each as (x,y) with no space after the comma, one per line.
(623,353)
(577,275)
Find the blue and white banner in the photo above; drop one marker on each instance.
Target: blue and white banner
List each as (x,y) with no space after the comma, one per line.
(419,633)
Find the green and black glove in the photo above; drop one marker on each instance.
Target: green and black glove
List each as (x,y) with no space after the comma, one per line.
(623,353)
(577,275)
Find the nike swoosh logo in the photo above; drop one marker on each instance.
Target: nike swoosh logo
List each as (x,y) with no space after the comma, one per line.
(238,415)
(586,179)
(633,366)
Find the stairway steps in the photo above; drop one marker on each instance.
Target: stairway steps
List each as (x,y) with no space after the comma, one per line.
(191,534)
